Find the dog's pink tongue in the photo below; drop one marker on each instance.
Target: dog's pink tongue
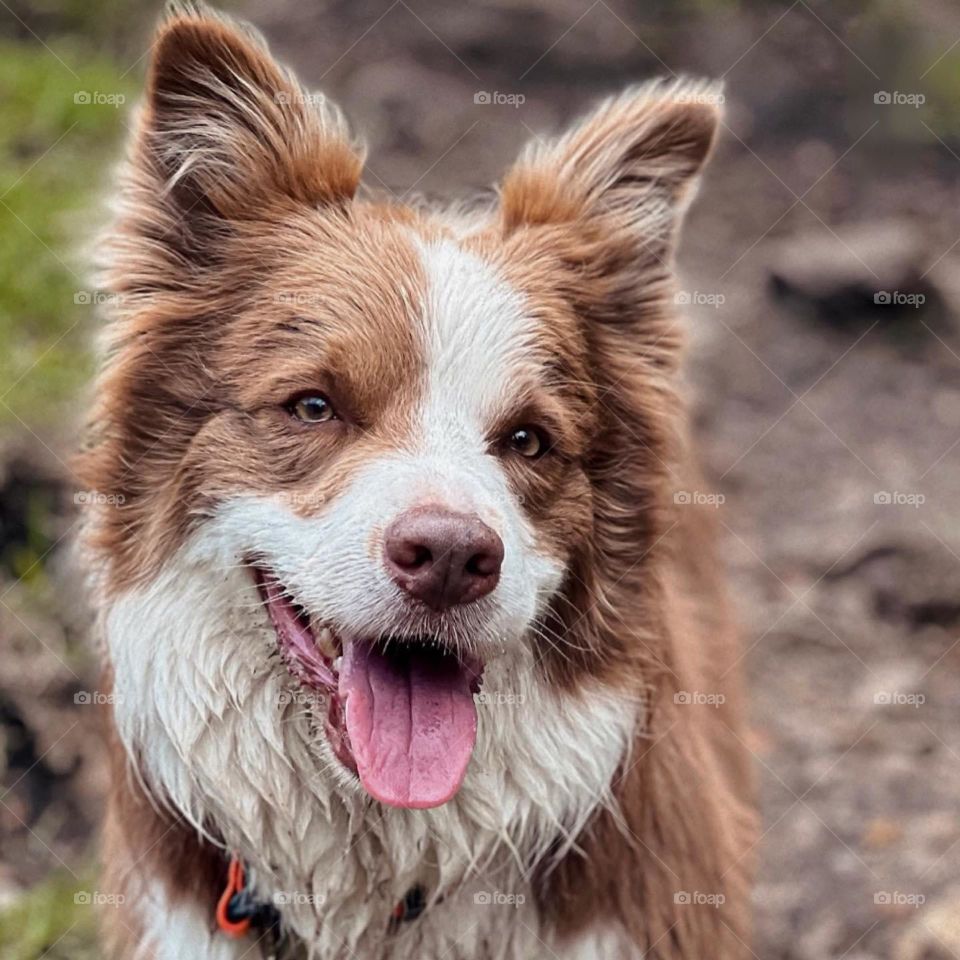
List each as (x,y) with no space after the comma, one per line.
(411,720)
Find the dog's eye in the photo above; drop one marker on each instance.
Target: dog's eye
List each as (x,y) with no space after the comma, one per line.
(312,408)
(530,442)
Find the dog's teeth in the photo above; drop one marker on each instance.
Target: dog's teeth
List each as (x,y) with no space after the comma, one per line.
(325,641)
(337,663)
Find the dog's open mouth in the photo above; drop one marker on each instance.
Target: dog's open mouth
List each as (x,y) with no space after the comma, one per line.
(401,713)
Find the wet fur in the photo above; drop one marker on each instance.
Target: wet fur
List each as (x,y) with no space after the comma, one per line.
(600,797)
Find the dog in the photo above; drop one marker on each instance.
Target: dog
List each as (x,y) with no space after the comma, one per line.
(416,641)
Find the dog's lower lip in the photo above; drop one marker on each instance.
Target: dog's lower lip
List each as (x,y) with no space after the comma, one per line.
(296,639)
(307,660)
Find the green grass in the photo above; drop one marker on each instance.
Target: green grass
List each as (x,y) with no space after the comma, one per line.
(54,920)
(55,152)
(55,157)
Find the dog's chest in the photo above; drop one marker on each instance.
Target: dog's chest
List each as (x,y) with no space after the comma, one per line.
(363,880)
(225,736)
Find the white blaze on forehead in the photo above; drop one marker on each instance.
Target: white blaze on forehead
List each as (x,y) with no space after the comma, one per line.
(479,333)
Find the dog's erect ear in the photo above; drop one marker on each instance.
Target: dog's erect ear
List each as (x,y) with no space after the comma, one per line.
(626,167)
(226,128)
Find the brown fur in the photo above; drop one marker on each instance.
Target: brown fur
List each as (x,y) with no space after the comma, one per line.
(246,270)
(645,598)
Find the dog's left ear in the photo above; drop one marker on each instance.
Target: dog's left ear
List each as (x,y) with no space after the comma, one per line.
(624,173)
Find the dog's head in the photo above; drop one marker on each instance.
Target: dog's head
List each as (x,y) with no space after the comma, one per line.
(430,439)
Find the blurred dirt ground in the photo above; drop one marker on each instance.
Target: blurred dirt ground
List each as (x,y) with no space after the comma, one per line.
(819,270)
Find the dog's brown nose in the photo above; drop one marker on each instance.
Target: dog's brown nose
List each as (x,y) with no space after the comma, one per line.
(443,558)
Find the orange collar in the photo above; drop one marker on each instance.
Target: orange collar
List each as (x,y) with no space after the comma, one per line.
(238,910)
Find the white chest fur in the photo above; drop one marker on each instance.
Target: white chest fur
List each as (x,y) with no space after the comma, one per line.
(229,739)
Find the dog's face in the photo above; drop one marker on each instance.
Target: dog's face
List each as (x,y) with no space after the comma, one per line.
(399,457)
(429,441)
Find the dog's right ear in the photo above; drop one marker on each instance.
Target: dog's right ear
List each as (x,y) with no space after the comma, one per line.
(226,132)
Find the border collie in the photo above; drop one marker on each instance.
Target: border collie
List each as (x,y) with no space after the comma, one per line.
(416,642)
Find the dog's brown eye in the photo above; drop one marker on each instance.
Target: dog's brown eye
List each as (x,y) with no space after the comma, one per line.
(530,442)
(312,408)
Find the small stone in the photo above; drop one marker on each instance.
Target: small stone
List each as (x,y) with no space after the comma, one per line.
(853,276)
